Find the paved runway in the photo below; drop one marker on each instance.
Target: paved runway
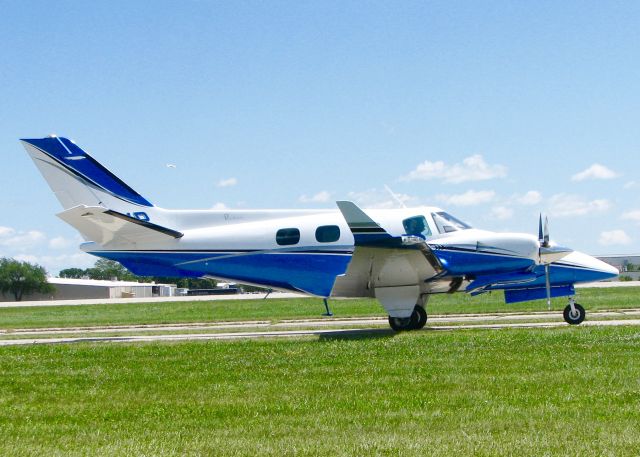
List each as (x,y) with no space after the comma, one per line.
(264,329)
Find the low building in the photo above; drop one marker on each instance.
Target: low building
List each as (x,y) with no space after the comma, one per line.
(627,264)
(80,289)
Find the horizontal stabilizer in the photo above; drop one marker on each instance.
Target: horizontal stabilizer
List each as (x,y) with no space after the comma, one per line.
(104,226)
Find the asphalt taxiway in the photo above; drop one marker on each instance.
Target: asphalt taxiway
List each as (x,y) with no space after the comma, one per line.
(326,327)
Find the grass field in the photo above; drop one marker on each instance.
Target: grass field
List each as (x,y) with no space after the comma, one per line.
(569,391)
(278,309)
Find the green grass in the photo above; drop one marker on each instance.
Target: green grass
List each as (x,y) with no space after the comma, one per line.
(569,391)
(279,309)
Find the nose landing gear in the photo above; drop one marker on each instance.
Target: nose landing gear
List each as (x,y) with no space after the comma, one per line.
(574,314)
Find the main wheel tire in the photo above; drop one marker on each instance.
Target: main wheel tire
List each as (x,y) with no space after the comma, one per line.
(416,321)
(421,315)
(400,324)
(574,318)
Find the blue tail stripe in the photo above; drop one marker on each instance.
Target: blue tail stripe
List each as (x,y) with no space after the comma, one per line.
(86,167)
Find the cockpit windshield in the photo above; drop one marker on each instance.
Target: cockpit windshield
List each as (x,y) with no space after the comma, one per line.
(446,223)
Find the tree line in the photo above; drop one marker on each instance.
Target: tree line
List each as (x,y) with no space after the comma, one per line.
(105,269)
(23,278)
(20,278)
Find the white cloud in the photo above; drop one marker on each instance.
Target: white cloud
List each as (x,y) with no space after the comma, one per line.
(60,242)
(26,258)
(6,231)
(533,197)
(473,168)
(631,184)
(501,212)
(567,205)
(470,197)
(595,171)
(321,197)
(374,199)
(227,182)
(219,205)
(54,263)
(20,240)
(633,215)
(613,237)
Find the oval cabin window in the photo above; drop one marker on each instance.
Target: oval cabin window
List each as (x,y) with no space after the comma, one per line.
(288,236)
(328,233)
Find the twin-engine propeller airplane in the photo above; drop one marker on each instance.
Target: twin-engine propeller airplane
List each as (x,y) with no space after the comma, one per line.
(399,256)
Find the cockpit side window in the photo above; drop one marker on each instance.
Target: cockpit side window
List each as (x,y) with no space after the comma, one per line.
(417,226)
(446,223)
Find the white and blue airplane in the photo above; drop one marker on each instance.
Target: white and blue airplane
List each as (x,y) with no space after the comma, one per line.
(398,256)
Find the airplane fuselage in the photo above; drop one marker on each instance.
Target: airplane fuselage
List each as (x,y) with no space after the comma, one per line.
(399,256)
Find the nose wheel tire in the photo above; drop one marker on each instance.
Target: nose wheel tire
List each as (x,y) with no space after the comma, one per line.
(576,317)
(416,321)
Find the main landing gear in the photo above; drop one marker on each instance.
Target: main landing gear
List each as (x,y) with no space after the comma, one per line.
(416,321)
(574,314)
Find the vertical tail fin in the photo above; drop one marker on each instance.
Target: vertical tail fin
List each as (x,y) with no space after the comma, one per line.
(76,178)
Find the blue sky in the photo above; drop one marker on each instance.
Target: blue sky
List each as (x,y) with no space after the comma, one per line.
(495,110)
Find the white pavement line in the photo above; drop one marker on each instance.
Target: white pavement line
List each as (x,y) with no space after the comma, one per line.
(294,333)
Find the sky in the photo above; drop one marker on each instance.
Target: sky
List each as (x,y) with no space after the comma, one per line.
(495,111)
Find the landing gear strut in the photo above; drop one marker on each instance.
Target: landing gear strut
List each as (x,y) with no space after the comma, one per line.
(574,314)
(416,321)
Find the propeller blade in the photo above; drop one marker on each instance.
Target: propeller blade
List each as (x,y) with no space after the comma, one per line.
(546,253)
(546,232)
(540,233)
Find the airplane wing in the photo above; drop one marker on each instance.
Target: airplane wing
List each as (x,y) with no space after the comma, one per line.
(368,233)
(392,268)
(102,225)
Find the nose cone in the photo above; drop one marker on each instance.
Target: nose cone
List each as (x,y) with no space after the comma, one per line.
(588,268)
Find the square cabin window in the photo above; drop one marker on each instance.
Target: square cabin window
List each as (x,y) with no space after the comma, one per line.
(327,233)
(288,236)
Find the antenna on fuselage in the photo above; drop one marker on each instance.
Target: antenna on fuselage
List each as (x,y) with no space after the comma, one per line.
(394,196)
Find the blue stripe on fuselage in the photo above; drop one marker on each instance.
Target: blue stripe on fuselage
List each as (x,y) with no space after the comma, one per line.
(314,272)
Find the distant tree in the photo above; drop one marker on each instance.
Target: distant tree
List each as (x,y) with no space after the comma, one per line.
(75,273)
(109,269)
(625,278)
(200,283)
(248,288)
(20,278)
